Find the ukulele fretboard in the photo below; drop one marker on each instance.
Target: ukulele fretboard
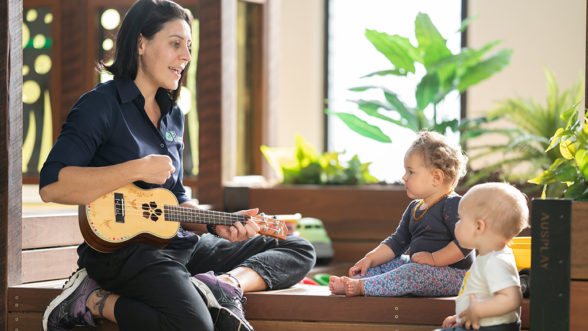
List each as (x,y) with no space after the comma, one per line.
(190,215)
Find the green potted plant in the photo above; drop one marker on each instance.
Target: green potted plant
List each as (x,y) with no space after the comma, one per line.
(444,72)
(303,165)
(571,167)
(531,126)
(560,231)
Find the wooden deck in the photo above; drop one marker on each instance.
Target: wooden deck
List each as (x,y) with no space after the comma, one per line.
(302,307)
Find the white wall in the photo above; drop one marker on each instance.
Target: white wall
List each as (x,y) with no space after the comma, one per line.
(547,34)
(300,91)
(542,33)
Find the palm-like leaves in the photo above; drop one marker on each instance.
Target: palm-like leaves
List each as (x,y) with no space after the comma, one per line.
(527,141)
(445,72)
(568,173)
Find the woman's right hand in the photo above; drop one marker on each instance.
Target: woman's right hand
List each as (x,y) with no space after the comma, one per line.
(156,169)
(361,266)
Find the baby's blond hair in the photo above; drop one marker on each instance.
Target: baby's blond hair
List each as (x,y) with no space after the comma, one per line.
(438,153)
(501,205)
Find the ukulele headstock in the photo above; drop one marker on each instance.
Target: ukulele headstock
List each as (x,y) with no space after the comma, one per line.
(271,226)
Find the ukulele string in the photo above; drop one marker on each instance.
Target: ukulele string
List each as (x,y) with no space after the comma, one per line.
(190,215)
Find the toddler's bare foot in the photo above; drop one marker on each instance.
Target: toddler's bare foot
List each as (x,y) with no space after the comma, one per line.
(353,286)
(336,285)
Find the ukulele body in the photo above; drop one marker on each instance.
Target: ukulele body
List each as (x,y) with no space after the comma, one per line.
(128,214)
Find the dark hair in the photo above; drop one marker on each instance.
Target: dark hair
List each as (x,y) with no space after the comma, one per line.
(145,17)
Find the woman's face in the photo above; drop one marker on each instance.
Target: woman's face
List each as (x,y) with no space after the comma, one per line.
(163,57)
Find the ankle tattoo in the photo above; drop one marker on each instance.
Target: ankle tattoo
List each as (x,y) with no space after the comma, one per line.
(235,279)
(102,295)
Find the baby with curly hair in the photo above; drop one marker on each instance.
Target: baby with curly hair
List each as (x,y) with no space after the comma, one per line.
(436,264)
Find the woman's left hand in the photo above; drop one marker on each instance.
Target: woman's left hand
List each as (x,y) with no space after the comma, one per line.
(240,231)
(423,258)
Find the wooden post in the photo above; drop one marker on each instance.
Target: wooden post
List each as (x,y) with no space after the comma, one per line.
(216,97)
(10,148)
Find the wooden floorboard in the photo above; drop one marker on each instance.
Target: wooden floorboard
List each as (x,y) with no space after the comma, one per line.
(332,326)
(304,304)
(33,322)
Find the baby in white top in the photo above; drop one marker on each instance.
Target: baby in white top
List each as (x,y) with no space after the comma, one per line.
(491,215)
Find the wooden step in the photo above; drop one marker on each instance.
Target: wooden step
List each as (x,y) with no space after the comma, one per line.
(48,237)
(301,305)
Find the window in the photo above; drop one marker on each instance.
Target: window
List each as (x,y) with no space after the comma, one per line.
(351,56)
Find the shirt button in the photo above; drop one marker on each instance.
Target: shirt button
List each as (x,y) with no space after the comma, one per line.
(162,145)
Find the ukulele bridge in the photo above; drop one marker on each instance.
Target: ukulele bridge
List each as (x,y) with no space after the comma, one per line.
(119,207)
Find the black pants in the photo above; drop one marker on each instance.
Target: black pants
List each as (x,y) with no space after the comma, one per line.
(154,285)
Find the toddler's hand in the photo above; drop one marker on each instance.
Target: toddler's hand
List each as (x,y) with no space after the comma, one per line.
(469,317)
(423,258)
(360,267)
(449,321)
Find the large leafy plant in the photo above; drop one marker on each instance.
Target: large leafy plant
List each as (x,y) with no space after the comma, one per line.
(570,170)
(444,72)
(525,141)
(303,165)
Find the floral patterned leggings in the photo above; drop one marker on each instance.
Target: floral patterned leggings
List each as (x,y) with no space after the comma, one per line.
(400,277)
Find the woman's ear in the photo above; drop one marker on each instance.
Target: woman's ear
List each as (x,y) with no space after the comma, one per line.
(141,45)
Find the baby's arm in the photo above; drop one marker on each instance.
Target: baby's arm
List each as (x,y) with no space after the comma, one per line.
(503,301)
(382,253)
(449,321)
(447,255)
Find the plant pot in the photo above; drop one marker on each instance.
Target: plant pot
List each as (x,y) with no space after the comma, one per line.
(559,265)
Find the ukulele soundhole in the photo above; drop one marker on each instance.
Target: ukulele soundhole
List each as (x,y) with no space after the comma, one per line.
(150,211)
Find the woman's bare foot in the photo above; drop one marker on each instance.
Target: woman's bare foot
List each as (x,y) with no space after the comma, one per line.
(336,285)
(353,286)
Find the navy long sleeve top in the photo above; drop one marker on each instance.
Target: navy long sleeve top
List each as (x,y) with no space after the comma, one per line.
(435,230)
(109,125)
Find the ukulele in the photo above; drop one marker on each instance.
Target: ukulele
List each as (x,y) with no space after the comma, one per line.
(132,214)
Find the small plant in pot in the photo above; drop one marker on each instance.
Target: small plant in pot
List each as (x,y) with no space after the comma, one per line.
(569,172)
(526,137)
(303,165)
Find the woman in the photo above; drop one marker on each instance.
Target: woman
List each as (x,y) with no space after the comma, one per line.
(129,130)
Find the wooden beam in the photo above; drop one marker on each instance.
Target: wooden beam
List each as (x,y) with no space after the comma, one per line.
(216,97)
(269,80)
(579,244)
(10,148)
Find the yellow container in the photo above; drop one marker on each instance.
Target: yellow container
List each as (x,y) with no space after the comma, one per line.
(521,248)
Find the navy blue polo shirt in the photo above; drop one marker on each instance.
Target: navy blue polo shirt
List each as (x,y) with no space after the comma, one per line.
(109,125)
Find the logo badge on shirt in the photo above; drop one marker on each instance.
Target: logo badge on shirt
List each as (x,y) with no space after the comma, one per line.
(170,135)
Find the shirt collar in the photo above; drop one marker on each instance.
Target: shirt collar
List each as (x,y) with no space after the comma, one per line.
(128,91)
